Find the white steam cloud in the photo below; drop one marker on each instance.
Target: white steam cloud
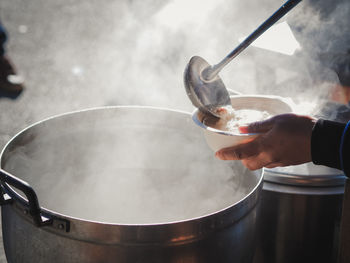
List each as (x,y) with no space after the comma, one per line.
(126,165)
(81,54)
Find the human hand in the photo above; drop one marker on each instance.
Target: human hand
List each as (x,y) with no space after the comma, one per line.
(285,140)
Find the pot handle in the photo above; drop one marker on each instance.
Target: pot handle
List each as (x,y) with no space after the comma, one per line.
(33,203)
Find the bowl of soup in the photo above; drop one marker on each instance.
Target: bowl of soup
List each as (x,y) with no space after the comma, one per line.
(223,132)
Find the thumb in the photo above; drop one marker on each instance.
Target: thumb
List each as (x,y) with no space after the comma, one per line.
(257,127)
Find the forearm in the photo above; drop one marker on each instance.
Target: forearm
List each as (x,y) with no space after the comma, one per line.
(326,143)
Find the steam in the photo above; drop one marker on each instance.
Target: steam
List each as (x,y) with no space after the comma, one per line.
(128,165)
(77,55)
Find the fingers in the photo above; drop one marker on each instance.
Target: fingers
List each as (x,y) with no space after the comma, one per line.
(251,156)
(274,165)
(258,127)
(259,165)
(284,140)
(260,161)
(239,152)
(253,164)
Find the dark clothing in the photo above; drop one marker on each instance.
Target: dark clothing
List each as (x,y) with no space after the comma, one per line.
(326,141)
(11,85)
(3,38)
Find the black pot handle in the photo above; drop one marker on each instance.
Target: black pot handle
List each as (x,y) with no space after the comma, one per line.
(33,203)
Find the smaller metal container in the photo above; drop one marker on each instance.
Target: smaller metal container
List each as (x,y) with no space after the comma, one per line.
(300,214)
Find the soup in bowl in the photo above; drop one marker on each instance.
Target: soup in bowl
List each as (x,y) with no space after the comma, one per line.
(223,132)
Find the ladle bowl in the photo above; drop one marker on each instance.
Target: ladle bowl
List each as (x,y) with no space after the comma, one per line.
(206,95)
(203,85)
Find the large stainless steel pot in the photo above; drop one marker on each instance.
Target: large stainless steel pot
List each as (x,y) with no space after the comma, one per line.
(76,162)
(300,214)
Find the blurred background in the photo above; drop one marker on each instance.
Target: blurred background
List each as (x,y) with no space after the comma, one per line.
(80,54)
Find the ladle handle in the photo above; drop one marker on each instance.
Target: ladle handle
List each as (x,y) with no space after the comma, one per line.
(212,71)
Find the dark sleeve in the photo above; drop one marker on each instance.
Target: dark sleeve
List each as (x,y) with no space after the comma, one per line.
(325,145)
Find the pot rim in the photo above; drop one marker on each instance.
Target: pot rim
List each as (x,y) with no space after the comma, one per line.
(277,175)
(187,230)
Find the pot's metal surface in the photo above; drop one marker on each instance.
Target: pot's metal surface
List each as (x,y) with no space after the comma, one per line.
(300,214)
(225,235)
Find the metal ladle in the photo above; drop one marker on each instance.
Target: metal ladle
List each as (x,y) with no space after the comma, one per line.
(204,86)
